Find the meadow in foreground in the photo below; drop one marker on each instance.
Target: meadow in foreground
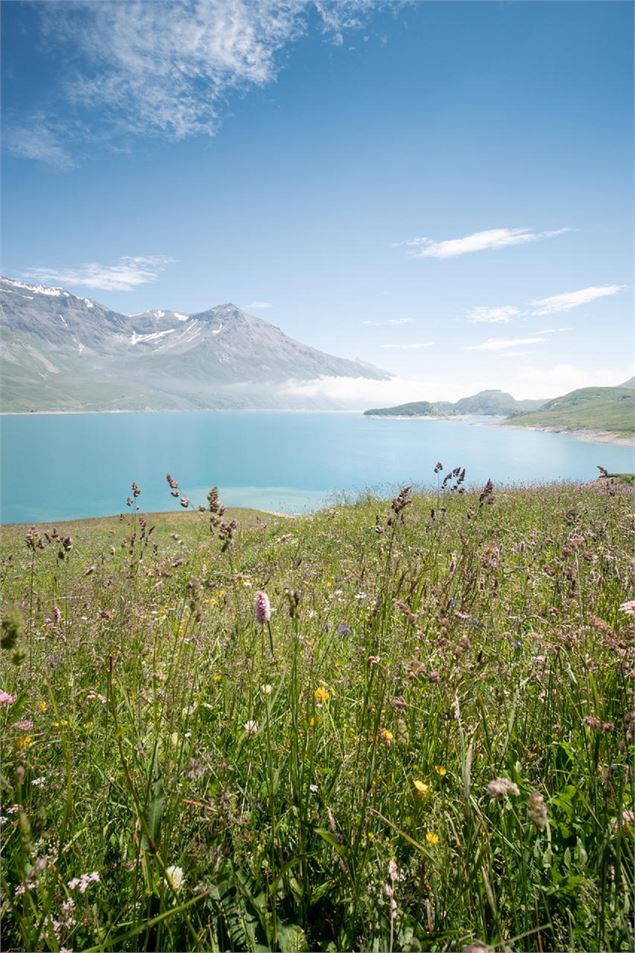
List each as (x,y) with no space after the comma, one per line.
(426,744)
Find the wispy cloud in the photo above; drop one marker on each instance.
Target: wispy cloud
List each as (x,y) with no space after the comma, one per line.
(165,68)
(572,299)
(554,330)
(492,315)
(125,274)
(391,322)
(258,306)
(504,344)
(415,346)
(478,241)
(40,140)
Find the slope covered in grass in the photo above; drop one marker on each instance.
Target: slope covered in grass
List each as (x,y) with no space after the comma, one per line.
(609,409)
(437,751)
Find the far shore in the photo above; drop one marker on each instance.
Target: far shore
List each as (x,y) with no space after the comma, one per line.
(591,436)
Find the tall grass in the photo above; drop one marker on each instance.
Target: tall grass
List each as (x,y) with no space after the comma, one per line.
(436,754)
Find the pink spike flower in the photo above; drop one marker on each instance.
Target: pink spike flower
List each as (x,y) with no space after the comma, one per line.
(262,607)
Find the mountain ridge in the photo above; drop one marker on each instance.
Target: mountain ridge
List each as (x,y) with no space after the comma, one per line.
(62,352)
(486,402)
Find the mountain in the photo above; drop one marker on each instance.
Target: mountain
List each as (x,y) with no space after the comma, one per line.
(610,409)
(62,352)
(629,383)
(486,402)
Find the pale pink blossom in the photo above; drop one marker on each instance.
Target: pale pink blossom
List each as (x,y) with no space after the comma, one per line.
(262,607)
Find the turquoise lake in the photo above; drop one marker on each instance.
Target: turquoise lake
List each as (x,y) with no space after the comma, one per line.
(67,466)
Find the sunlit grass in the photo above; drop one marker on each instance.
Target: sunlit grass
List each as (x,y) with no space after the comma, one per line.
(437,751)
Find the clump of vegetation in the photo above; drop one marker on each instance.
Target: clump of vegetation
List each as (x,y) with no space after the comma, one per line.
(400,725)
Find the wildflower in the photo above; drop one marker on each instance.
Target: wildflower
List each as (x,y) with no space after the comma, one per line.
(266,689)
(441,771)
(344,630)
(386,736)
(592,721)
(374,659)
(251,727)
(502,787)
(321,695)
(262,607)
(421,786)
(83,882)
(174,878)
(6,699)
(313,788)
(432,838)
(25,725)
(23,742)
(41,707)
(537,811)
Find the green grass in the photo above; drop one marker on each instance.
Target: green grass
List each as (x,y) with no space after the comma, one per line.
(610,409)
(449,643)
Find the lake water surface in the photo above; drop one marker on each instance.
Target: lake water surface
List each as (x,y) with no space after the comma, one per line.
(66,466)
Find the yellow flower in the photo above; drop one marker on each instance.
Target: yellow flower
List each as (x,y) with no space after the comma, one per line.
(321,695)
(23,742)
(216,678)
(421,787)
(386,736)
(441,771)
(41,707)
(432,838)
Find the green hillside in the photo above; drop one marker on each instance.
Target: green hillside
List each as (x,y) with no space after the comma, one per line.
(610,409)
(417,408)
(494,403)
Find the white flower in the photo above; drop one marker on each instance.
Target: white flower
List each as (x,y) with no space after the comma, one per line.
(251,727)
(175,877)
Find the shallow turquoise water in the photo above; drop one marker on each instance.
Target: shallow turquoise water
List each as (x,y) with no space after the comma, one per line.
(65,466)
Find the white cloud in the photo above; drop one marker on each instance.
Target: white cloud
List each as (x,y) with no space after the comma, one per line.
(360,393)
(39,140)
(572,299)
(391,322)
(530,381)
(492,315)
(152,67)
(504,344)
(478,241)
(258,306)
(554,330)
(124,275)
(415,346)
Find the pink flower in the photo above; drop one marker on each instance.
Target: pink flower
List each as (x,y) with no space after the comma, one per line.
(262,608)
(25,725)
(7,699)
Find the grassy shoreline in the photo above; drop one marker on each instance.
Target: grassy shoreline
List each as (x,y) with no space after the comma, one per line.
(428,744)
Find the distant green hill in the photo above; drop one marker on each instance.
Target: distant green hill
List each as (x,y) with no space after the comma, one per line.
(592,408)
(418,408)
(495,403)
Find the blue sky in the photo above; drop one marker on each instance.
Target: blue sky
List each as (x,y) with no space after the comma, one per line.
(442,189)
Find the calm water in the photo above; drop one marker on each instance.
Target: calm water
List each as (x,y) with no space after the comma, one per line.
(57,467)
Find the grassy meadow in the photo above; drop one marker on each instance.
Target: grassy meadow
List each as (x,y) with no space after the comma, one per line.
(427,746)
